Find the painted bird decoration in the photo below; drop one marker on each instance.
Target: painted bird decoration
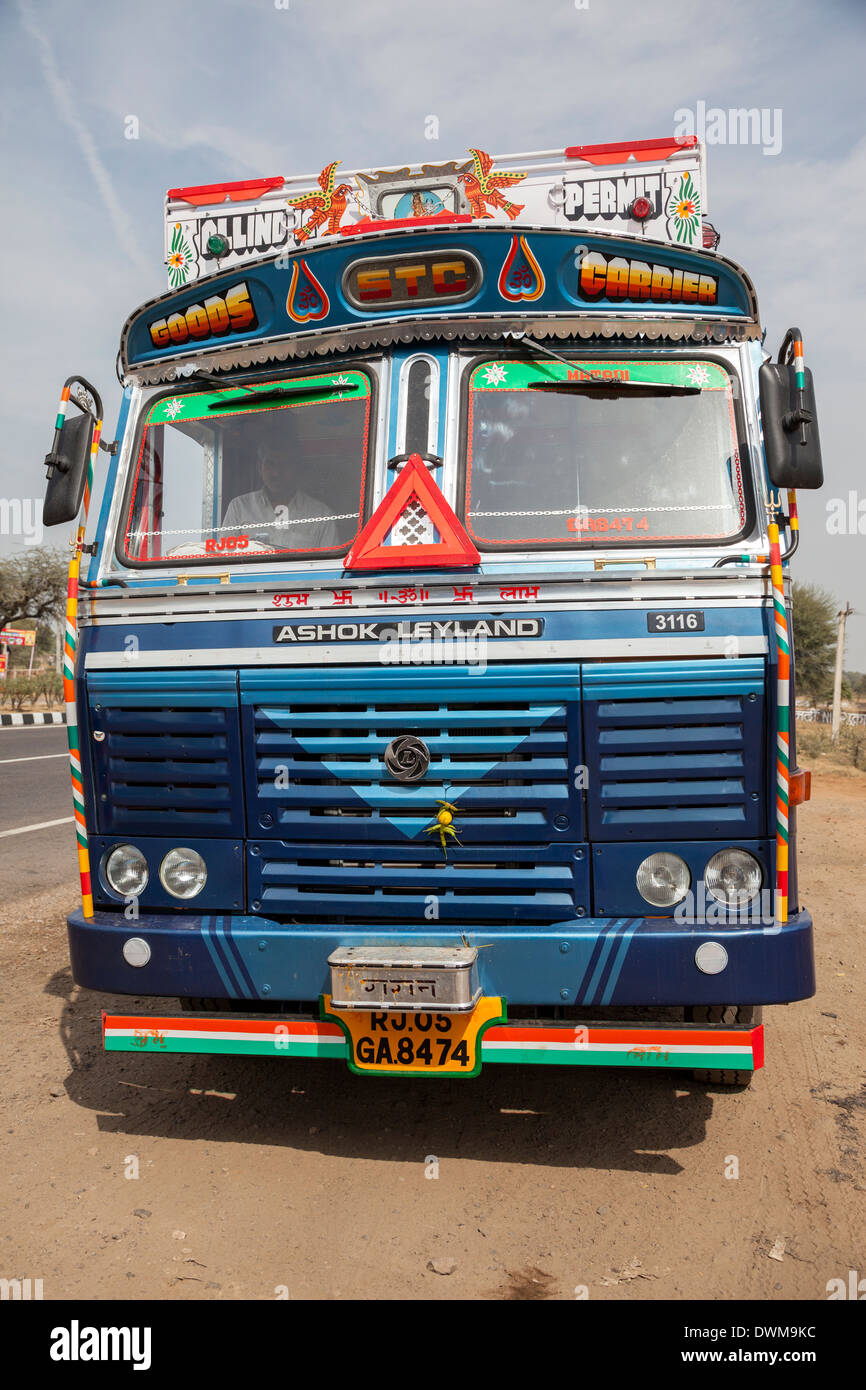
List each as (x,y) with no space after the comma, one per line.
(482,187)
(327,206)
(443,827)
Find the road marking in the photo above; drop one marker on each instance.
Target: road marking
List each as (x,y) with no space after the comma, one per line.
(36,758)
(43,825)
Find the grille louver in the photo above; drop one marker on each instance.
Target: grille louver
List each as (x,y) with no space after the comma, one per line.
(675,748)
(170,757)
(415,885)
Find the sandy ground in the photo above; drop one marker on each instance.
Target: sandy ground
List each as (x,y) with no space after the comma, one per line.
(260,1178)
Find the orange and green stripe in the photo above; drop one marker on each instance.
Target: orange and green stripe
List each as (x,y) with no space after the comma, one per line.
(61,409)
(562,1045)
(783,719)
(70,644)
(636,1048)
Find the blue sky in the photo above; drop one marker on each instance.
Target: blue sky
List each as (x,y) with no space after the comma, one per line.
(228,89)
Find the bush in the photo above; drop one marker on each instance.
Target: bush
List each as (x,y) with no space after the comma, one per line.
(50,686)
(814,741)
(18,691)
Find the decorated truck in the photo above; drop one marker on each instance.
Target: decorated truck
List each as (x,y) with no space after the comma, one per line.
(428,668)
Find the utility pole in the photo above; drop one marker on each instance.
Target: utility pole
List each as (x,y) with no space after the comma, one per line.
(841,618)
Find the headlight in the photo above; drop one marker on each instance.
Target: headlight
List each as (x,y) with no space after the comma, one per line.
(733,877)
(663,879)
(125,870)
(183,873)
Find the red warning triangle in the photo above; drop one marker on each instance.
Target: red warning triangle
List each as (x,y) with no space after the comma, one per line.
(415,499)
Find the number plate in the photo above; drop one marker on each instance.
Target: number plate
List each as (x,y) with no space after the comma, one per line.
(676,620)
(415,1043)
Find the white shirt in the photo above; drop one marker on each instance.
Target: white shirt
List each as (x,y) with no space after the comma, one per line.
(255,512)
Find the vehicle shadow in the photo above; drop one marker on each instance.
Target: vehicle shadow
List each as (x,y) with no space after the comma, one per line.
(603,1118)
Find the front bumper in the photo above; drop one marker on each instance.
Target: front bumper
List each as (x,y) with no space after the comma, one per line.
(602,962)
(635,1046)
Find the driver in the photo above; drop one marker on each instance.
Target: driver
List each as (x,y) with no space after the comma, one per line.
(279,514)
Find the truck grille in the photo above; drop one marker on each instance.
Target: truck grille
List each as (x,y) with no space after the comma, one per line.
(415,885)
(675,748)
(501,756)
(170,757)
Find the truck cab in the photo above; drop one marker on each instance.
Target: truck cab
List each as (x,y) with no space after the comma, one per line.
(430,683)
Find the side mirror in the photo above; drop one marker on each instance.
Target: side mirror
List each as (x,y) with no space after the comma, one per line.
(789,418)
(68,460)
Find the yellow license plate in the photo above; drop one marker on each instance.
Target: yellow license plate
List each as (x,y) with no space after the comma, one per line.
(392,1043)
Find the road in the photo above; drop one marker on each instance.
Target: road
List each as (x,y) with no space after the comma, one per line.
(229,1177)
(34,791)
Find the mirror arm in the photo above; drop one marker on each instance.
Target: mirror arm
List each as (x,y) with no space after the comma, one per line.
(791,355)
(54,459)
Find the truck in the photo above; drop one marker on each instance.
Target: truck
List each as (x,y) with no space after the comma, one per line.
(429,675)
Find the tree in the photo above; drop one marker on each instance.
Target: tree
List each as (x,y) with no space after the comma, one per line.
(32,585)
(814,640)
(857,683)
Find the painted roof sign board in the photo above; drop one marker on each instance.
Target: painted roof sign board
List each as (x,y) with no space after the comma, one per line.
(650,188)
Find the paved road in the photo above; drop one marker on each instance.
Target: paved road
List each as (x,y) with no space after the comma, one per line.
(35,789)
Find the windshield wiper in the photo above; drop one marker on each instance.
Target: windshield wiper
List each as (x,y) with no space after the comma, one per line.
(281,392)
(655,388)
(592,383)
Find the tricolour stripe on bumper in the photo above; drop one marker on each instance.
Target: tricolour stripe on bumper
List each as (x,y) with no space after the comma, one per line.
(728,1050)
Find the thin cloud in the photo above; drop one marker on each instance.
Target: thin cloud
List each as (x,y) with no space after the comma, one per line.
(63,101)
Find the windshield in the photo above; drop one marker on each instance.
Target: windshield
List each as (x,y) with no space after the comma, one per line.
(646,452)
(277,468)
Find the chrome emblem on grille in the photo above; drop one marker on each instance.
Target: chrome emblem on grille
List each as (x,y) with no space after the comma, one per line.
(407,758)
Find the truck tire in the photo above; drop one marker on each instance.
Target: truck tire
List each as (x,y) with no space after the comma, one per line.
(748,1015)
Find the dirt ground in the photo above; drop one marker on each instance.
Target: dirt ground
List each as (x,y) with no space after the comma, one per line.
(262,1178)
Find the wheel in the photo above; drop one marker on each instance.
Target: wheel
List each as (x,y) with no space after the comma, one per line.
(746,1015)
(737,1080)
(743,1015)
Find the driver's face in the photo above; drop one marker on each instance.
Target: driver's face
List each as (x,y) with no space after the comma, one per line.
(272,470)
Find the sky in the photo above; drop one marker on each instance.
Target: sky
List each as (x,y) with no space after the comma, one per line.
(231,89)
